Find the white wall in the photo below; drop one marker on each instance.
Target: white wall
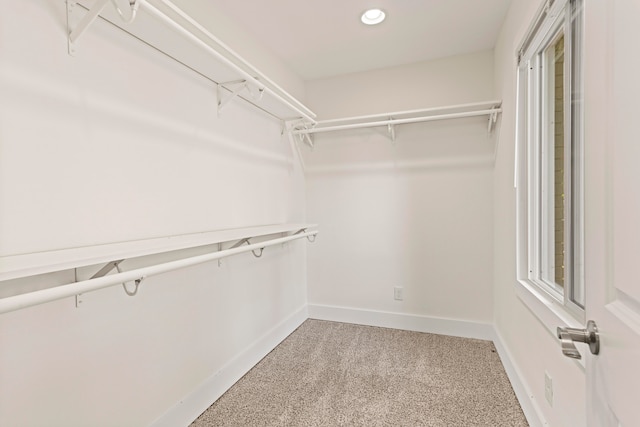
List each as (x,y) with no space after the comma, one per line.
(121,143)
(533,348)
(415,214)
(453,80)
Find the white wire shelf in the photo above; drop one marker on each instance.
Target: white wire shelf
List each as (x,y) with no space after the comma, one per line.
(491,109)
(24,265)
(112,255)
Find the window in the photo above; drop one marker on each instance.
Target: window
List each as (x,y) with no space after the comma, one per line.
(549,156)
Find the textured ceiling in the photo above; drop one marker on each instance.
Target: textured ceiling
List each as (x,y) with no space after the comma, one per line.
(325,38)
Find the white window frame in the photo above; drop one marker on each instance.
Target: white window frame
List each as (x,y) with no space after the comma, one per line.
(552,304)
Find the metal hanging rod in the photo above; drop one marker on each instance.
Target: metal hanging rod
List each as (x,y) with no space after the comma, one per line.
(30,299)
(419,112)
(252,76)
(259,76)
(255,80)
(426,115)
(220,86)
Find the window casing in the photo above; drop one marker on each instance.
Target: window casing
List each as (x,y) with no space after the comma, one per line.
(549,171)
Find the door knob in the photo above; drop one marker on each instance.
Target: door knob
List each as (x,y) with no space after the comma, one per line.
(589,335)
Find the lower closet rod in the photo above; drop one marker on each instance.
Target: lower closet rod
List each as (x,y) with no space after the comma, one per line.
(30,299)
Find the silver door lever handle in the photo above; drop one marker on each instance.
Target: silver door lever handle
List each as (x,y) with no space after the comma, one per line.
(589,335)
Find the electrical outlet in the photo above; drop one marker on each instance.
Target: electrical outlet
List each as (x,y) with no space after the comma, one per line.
(548,388)
(398,293)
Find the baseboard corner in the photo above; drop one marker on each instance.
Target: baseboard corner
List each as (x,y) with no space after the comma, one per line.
(185,411)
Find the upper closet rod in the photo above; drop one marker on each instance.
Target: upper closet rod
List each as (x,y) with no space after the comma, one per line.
(52,294)
(422,112)
(97,7)
(387,122)
(222,58)
(299,107)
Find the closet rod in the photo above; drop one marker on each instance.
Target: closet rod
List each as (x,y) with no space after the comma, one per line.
(191,37)
(397,121)
(472,106)
(30,299)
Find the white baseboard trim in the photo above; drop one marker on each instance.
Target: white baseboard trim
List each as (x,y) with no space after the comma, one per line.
(196,402)
(192,405)
(409,322)
(527,401)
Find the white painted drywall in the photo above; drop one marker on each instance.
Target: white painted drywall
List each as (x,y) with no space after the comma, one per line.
(467,78)
(416,214)
(534,350)
(121,143)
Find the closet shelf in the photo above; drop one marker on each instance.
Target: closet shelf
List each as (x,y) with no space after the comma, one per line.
(17,266)
(486,108)
(165,27)
(102,279)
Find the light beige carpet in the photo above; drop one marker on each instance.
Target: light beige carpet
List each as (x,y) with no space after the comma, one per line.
(337,374)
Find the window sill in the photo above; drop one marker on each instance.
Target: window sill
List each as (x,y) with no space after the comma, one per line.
(549,312)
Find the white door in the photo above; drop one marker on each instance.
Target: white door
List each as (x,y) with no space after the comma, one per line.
(612,209)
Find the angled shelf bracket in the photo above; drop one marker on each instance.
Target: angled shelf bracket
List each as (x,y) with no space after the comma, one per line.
(235,88)
(248,242)
(493,118)
(303,130)
(106,269)
(241,242)
(100,273)
(76,26)
(308,139)
(76,29)
(391,129)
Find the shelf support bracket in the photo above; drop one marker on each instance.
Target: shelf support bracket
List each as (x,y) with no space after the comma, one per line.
(240,243)
(79,299)
(248,242)
(391,129)
(107,268)
(306,138)
(73,34)
(257,96)
(76,32)
(309,140)
(235,87)
(239,86)
(102,272)
(493,118)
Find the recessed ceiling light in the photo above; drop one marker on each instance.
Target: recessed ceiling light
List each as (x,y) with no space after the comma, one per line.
(372,17)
